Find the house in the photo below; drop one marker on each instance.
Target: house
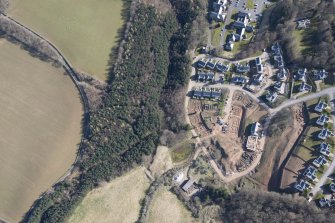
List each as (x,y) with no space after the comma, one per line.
(216,94)
(301,75)
(258,78)
(279,87)
(206,93)
(310,173)
(271,96)
(233,37)
(211,64)
(324,202)
(203,77)
(229,46)
(188,185)
(279,62)
(242,68)
(222,67)
(332,187)
(239,80)
(249,29)
(255,127)
(243,17)
(239,25)
(197,93)
(260,69)
(219,7)
(320,161)
(322,120)
(324,149)
(303,24)
(219,3)
(258,61)
(240,32)
(282,75)
(324,134)
(320,74)
(275,48)
(320,106)
(305,87)
(201,63)
(302,185)
(219,14)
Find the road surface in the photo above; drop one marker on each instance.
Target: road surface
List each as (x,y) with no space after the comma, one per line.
(272,112)
(329,171)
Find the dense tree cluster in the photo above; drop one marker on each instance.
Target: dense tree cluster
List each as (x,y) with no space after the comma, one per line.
(279,22)
(259,206)
(127,125)
(192,22)
(4,4)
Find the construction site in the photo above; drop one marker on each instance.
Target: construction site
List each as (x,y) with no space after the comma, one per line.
(227,125)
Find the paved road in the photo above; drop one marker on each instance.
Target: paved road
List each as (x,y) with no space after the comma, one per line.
(272,112)
(329,171)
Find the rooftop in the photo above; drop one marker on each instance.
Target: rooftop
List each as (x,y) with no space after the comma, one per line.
(302,185)
(320,106)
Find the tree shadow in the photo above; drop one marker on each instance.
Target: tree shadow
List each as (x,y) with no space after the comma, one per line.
(127,14)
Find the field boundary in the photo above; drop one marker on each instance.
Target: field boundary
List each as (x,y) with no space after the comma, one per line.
(293,149)
(75,79)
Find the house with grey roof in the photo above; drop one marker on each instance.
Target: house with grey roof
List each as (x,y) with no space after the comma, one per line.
(279,87)
(255,127)
(271,96)
(324,149)
(305,87)
(310,173)
(240,68)
(282,74)
(303,24)
(229,46)
(302,185)
(202,63)
(323,119)
(321,105)
(320,74)
(222,67)
(320,161)
(324,203)
(301,74)
(325,133)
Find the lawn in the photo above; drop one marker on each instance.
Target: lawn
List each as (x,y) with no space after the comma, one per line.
(84,30)
(40,129)
(182,151)
(117,201)
(216,35)
(166,208)
(250,4)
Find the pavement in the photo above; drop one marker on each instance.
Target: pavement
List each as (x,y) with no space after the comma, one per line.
(329,171)
(272,111)
(240,5)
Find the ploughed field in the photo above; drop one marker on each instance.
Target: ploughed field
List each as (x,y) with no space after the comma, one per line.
(84,30)
(40,128)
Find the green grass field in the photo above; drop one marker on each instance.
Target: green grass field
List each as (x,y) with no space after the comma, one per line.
(40,127)
(166,208)
(84,30)
(117,201)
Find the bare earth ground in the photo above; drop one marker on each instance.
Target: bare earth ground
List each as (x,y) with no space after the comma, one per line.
(117,201)
(40,127)
(273,158)
(162,161)
(84,30)
(166,208)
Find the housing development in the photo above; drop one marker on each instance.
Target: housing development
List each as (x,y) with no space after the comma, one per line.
(167,111)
